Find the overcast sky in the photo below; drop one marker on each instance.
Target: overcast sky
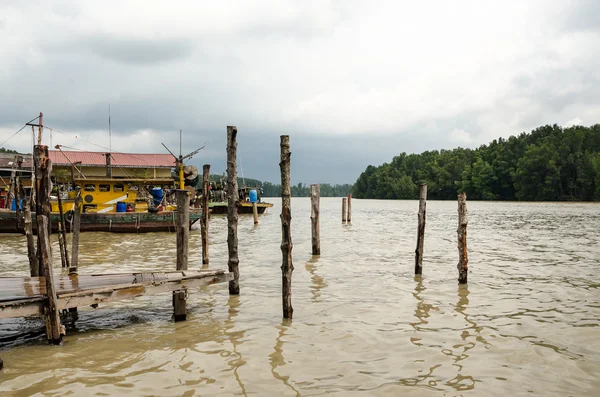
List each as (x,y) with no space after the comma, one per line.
(352,82)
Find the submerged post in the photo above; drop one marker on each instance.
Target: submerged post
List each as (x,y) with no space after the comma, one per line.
(463,260)
(349,207)
(232,211)
(344,201)
(62,237)
(183,227)
(421,229)
(315,195)
(286,237)
(53,328)
(204,217)
(34,270)
(255,213)
(75,229)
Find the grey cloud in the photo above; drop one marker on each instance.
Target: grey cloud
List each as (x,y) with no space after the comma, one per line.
(583,15)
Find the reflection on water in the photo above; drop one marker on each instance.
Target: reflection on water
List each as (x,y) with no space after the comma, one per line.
(527,322)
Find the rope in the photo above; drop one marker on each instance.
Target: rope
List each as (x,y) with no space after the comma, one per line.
(21,129)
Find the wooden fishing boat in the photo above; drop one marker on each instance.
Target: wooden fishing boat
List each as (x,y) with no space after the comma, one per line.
(246,196)
(111,205)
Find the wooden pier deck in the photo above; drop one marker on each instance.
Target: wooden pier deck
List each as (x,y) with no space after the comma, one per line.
(26,296)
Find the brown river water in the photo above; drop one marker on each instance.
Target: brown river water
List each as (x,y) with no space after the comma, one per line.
(527,323)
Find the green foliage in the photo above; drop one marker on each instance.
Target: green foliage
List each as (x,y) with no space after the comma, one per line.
(550,163)
(3,150)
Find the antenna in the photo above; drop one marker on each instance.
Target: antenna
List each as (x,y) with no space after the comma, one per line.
(109,132)
(180,144)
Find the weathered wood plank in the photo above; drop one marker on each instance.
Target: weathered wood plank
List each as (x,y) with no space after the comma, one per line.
(33,263)
(344,213)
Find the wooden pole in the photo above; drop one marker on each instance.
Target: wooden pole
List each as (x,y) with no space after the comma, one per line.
(179,305)
(421,229)
(463,260)
(232,211)
(18,203)
(344,201)
(286,236)
(34,270)
(75,230)
(62,230)
(43,167)
(315,195)
(53,328)
(350,208)
(205,209)
(183,227)
(255,212)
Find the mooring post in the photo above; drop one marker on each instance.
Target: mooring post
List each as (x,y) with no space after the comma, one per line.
(315,195)
(53,328)
(75,229)
(34,270)
(1,364)
(232,211)
(255,212)
(183,227)
(463,260)
(62,236)
(286,236)
(205,209)
(421,229)
(43,168)
(18,201)
(344,213)
(350,208)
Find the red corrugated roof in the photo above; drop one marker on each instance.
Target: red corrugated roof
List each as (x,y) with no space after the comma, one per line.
(67,157)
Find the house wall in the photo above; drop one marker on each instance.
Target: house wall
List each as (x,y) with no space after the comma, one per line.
(117,172)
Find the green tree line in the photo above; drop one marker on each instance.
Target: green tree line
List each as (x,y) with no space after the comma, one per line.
(549,164)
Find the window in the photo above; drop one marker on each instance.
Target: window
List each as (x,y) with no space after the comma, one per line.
(119,187)
(103,187)
(89,187)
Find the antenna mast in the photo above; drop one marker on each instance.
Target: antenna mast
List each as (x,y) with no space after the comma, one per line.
(109,132)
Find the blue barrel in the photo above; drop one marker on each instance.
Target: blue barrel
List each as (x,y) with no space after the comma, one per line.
(253,196)
(14,204)
(121,206)
(157,195)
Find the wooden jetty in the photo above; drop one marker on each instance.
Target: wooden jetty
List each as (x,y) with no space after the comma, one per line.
(26,296)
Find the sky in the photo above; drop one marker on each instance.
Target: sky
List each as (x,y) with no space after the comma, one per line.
(352,82)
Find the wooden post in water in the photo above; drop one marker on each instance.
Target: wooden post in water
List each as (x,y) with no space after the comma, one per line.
(62,237)
(286,236)
(315,195)
(421,229)
(43,167)
(232,211)
(53,328)
(18,202)
(463,260)
(205,209)
(75,230)
(182,199)
(255,212)
(34,270)
(344,201)
(349,208)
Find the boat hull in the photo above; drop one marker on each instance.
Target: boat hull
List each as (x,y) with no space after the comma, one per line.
(122,222)
(243,208)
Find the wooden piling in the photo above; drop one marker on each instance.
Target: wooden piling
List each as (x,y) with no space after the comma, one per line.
(286,237)
(344,214)
(53,328)
(75,229)
(349,208)
(205,210)
(62,227)
(421,229)
(179,305)
(33,262)
(315,195)
(463,260)
(232,211)
(183,227)
(43,187)
(255,212)
(18,201)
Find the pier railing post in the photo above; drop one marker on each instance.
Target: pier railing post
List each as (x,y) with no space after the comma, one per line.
(53,328)
(232,211)
(183,227)
(205,209)
(421,229)
(286,236)
(34,270)
(349,208)
(75,230)
(344,201)
(315,195)
(463,260)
